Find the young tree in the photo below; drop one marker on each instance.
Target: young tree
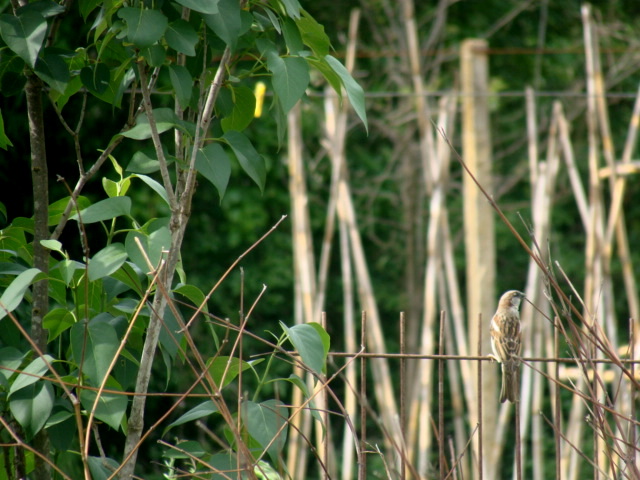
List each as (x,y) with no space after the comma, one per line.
(183,75)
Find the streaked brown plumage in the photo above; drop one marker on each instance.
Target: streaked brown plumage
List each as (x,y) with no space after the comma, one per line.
(506,342)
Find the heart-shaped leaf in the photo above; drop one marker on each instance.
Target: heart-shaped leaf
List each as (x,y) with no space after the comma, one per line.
(24,34)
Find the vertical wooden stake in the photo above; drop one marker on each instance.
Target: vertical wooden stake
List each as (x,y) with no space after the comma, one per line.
(441,435)
(480,453)
(362,461)
(403,406)
(557,407)
(479,230)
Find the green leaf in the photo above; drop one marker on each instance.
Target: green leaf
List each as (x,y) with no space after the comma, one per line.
(266,423)
(327,72)
(155,55)
(32,405)
(230,22)
(111,407)
(144,27)
(46,8)
(88,6)
(213,162)
(119,80)
(292,8)
(53,245)
(105,210)
(73,86)
(57,208)
(182,84)
(224,369)
(188,450)
(107,261)
(4,140)
(354,90)
(110,187)
(290,79)
(12,79)
(130,277)
(324,337)
(200,411)
(54,71)
(202,6)
(10,359)
(310,343)
(182,37)
(243,111)
(155,186)
(14,293)
(30,374)
(101,468)
(24,34)
(95,343)
(144,161)
(271,20)
(154,244)
(165,118)
(250,161)
(313,34)
(301,384)
(292,36)
(194,294)
(66,269)
(57,321)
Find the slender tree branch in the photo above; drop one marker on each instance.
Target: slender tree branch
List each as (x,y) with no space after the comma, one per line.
(85,177)
(40,305)
(180,213)
(155,136)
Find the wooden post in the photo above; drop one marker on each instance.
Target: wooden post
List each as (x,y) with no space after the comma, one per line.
(479,230)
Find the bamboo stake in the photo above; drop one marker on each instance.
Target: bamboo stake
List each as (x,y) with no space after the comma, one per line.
(422,401)
(479,221)
(441,434)
(594,261)
(304,271)
(362,461)
(616,223)
(421,105)
(480,451)
(403,400)
(350,402)
(532,135)
(631,290)
(536,330)
(574,177)
(413,200)
(336,132)
(456,398)
(620,227)
(557,418)
(451,294)
(334,142)
(383,387)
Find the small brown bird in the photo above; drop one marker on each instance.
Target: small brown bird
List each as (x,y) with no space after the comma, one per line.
(506,342)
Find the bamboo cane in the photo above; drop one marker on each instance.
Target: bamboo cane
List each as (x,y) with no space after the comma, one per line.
(304,269)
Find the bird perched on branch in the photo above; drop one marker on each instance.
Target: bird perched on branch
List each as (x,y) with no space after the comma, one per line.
(506,342)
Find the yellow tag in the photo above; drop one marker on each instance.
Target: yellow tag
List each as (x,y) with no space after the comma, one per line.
(259,91)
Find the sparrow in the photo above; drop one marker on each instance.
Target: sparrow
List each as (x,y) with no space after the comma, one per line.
(506,342)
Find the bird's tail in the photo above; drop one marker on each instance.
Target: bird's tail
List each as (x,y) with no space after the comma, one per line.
(510,382)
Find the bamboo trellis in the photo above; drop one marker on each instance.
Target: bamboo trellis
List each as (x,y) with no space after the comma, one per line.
(604,386)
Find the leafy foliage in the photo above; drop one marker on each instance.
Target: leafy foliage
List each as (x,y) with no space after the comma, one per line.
(105,293)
